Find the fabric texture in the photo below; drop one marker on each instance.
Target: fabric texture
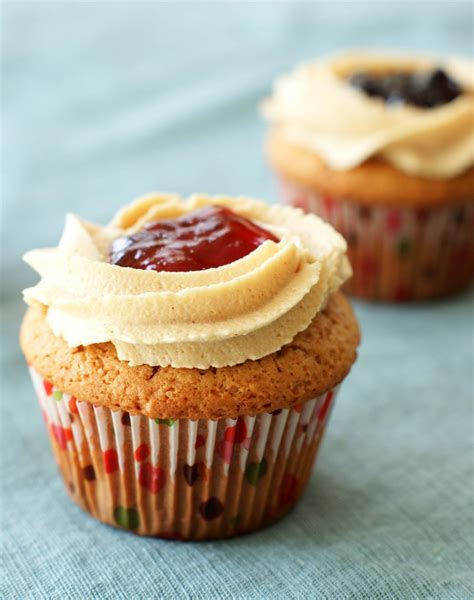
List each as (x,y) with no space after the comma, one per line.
(104,101)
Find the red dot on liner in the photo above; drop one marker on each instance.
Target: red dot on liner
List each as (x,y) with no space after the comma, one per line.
(62,435)
(73,405)
(152,478)
(237,433)
(225,450)
(328,202)
(48,387)
(240,431)
(394,220)
(110,460)
(142,452)
(229,434)
(200,441)
(323,411)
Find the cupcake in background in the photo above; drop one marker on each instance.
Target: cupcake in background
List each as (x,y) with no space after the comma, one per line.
(186,358)
(382,147)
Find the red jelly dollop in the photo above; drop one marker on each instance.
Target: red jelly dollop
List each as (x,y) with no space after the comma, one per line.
(203,239)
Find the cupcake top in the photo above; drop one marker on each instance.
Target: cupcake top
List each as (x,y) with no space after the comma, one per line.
(189,283)
(416,113)
(314,362)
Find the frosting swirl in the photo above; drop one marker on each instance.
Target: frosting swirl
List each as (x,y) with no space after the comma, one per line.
(198,319)
(315,107)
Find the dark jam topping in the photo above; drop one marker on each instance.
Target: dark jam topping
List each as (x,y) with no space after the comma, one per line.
(425,90)
(206,238)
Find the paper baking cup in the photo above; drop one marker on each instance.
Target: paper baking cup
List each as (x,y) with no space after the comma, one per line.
(398,253)
(183,479)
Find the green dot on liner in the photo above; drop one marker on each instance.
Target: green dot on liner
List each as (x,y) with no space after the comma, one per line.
(168,422)
(255,471)
(404,246)
(128,518)
(57,395)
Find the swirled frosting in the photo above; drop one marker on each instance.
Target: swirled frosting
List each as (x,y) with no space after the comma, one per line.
(316,108)
(216,317)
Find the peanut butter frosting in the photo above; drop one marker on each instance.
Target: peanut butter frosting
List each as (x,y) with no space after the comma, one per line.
(315,107)
(213,318)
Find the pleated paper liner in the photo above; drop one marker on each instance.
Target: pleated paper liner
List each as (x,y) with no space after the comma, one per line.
(398,253)
(183,479)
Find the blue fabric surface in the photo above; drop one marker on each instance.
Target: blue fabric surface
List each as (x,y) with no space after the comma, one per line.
(104,101)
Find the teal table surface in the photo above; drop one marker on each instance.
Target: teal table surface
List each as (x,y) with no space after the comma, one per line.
(105,101)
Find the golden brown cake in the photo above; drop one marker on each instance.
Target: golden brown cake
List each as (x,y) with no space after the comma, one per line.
(382,147)
(317,360)
(166,429)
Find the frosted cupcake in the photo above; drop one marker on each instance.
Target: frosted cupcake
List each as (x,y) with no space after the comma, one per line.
(382,147)
(186,358)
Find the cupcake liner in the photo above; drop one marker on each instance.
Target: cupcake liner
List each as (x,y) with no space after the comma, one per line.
(183,479)
(398,253)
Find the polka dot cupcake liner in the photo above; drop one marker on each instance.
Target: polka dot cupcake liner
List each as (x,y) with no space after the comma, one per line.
(183,479)
(397,253)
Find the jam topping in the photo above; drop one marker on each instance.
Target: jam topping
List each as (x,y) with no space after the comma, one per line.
(425,90)
(203,239)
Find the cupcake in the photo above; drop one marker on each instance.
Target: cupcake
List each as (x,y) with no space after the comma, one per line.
(186,358)
(382,147)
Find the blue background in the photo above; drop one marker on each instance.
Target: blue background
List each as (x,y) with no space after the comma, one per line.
(105,101)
